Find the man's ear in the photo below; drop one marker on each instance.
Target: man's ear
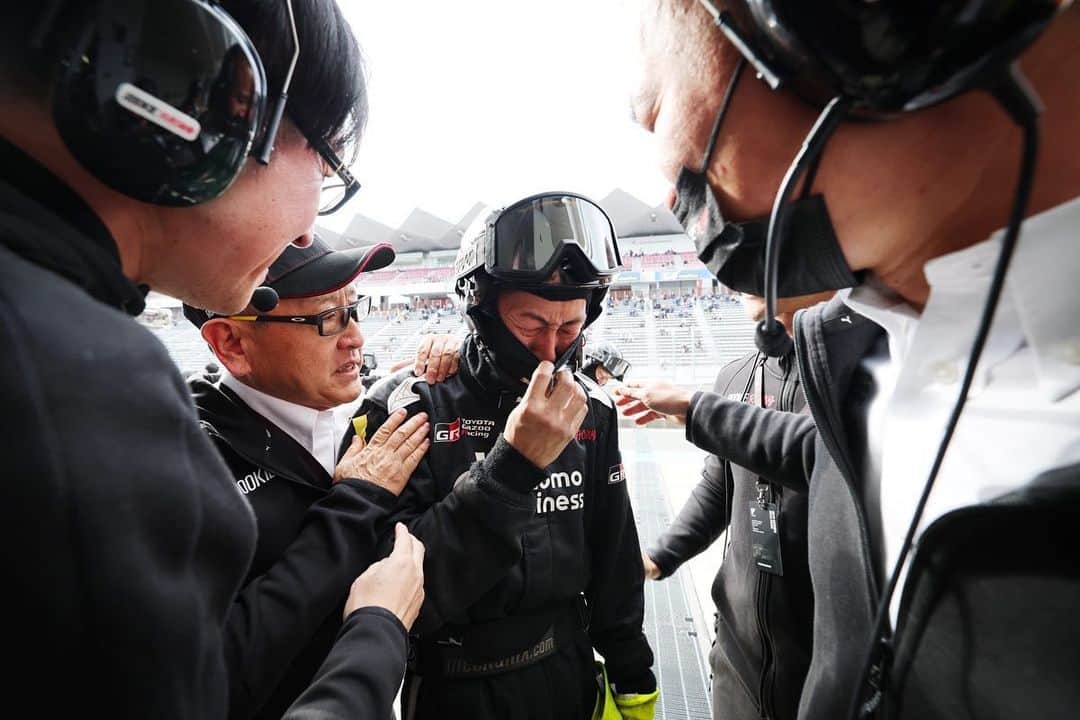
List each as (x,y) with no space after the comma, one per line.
(226,340)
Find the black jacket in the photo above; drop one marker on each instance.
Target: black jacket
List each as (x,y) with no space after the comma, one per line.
(315,537)
(125,539)
(987,585)
(763,621)
(507,539)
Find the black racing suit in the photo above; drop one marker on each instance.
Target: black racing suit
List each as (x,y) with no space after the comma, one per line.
(315,537)
(763,619)
(527,569)
(125,539)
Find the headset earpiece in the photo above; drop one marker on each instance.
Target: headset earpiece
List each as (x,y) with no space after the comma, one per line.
(161,100)
(885,57)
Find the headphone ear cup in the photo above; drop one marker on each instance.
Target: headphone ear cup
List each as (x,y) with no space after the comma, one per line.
(159,99)
(887,57)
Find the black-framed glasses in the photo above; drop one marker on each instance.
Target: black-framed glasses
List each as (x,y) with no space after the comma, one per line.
(339,185)
(329,322)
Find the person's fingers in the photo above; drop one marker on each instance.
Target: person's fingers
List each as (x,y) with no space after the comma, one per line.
(447,360)
(412,461)
(439,360)
(387,428)
(355,446)
(419,553)
(402,364)
(402,538)
(423,351)
(414,440)
(454,361)
(648,418)
(635,408)
(579,417)
(562,390)
(406,430)
(541,379)
(625,394)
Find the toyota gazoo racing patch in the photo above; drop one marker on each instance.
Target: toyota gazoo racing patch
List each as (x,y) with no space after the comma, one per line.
(458,428)
(157,111)
(615,474)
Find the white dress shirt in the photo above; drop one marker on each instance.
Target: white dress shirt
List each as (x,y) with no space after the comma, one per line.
(1022,416)
(320,432)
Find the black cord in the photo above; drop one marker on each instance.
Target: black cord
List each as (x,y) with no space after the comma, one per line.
(1018,99)
(771,337)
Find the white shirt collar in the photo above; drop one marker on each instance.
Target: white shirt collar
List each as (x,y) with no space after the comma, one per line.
(317,431)
(1039,307)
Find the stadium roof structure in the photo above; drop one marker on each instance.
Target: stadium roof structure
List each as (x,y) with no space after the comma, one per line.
(423,232)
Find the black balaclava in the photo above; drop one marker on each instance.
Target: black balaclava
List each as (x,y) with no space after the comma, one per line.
(734,252)
(515,361)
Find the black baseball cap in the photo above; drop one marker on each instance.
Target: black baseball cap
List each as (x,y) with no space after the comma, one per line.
(314,270)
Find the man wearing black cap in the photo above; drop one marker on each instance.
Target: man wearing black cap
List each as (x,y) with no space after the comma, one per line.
(290,381)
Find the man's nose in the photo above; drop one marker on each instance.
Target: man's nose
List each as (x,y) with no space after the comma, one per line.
(351,337)
(544,348)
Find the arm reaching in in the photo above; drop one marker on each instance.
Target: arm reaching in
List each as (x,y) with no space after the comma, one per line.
(646,402)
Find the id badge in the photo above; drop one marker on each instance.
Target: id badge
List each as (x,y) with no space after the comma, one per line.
(765,537)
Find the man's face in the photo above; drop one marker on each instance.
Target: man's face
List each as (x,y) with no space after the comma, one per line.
(295,363)
(218,252)
(684,67)
(546,327)
(602,375)
(241,92)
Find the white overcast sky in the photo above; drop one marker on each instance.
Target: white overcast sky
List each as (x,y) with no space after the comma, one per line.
(487,100)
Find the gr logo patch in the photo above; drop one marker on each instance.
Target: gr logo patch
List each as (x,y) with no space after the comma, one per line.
(448,432)
(615,474)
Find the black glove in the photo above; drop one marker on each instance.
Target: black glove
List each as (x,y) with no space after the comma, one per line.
(641,683)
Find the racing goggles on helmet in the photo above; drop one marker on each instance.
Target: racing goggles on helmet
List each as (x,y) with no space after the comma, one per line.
(534,238)
(614,365)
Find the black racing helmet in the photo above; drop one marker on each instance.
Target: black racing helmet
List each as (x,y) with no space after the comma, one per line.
(558,245)
(607,356)
(524,244)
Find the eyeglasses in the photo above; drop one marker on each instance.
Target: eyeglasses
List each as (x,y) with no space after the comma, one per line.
(329,322)
(339,185)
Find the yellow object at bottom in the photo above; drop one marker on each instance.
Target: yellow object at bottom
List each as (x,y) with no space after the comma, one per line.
(621,707)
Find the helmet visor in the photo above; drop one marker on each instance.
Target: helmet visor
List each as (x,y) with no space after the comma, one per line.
(616,366)
(531,237)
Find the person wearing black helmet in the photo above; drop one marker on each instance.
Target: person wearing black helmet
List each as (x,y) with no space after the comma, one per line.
(895,146)
(604,362)
(179,145)
(522,502)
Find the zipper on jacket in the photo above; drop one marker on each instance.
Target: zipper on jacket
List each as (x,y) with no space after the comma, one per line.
(826,424)
(768,493)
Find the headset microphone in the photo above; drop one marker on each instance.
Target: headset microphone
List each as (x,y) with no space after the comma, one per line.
(264,299)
